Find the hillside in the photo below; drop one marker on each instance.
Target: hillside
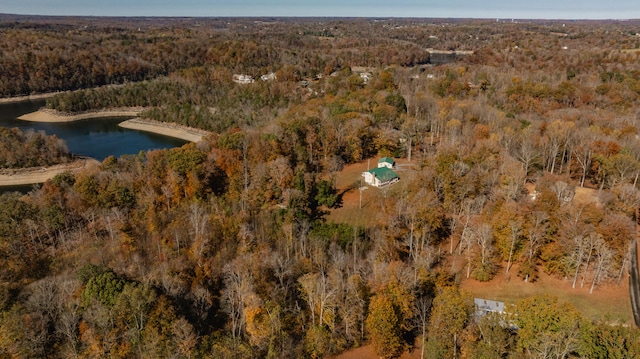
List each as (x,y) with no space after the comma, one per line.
(262,240)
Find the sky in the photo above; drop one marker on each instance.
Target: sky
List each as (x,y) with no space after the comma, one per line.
(504,9)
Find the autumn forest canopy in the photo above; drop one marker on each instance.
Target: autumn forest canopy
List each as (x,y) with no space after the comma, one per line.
(520,159)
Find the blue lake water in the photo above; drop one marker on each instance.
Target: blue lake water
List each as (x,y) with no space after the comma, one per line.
(97,138)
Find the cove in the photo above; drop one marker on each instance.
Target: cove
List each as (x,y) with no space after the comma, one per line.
(96,138)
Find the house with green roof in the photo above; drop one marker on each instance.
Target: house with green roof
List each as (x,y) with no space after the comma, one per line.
(380,176)
(386,162)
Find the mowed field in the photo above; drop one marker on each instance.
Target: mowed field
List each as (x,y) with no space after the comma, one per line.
(609,302)
(372,207)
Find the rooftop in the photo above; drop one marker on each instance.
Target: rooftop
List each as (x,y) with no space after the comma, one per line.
(386,160)
(383,174)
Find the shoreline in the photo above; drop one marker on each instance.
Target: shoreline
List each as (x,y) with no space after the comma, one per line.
(39,96)
(34,175)
(141,124)
(166,129)
(45,95)
(47,115)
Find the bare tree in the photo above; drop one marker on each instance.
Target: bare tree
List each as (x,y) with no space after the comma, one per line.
(526,151)
(515,230)
(621,168)
(422,309)
(353,308)
(69,318)
(319,295)
(466,243)
(538,226)
(238,286)
(513,176)
(484,235)
(198,221)
(583,152)
(558,138)
(468,208)
(577,256)
(563,191)
(590,245)
(604,261)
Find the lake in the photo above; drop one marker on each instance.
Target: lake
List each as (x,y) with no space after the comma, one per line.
(97,138)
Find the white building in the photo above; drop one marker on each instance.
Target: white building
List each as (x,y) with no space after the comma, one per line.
(242,79)
(387,162)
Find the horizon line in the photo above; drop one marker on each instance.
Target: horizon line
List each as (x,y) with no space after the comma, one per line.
(494,19)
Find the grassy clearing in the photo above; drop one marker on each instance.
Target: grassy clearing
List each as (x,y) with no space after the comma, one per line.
(607,303)
(370,210)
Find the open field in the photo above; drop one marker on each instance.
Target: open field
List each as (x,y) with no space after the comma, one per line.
(607,303)
(365,213)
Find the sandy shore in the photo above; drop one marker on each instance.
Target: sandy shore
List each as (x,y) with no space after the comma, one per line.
(34,175)
(165,129)
(161,128)
(29,97)
(47,115)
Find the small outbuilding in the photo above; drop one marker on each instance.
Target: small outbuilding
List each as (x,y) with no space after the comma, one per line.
(486,306)
(242,79)
(387,162)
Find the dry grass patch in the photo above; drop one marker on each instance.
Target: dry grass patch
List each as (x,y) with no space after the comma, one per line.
(609,303)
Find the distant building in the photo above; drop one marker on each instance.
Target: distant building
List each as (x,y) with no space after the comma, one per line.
(269,77)
(534,195)
(365,76)
(242,79)
(365,73)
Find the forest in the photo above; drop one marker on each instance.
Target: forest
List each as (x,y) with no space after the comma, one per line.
(20,149)
(520,160)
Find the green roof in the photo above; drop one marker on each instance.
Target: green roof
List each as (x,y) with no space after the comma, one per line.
(383,174)
(387,160)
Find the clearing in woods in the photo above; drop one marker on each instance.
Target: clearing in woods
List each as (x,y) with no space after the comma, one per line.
(608,302)
(351,184)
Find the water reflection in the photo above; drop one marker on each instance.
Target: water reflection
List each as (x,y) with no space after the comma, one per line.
(97,138)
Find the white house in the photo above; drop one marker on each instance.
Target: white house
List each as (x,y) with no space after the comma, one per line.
(242,79)
(380,177)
